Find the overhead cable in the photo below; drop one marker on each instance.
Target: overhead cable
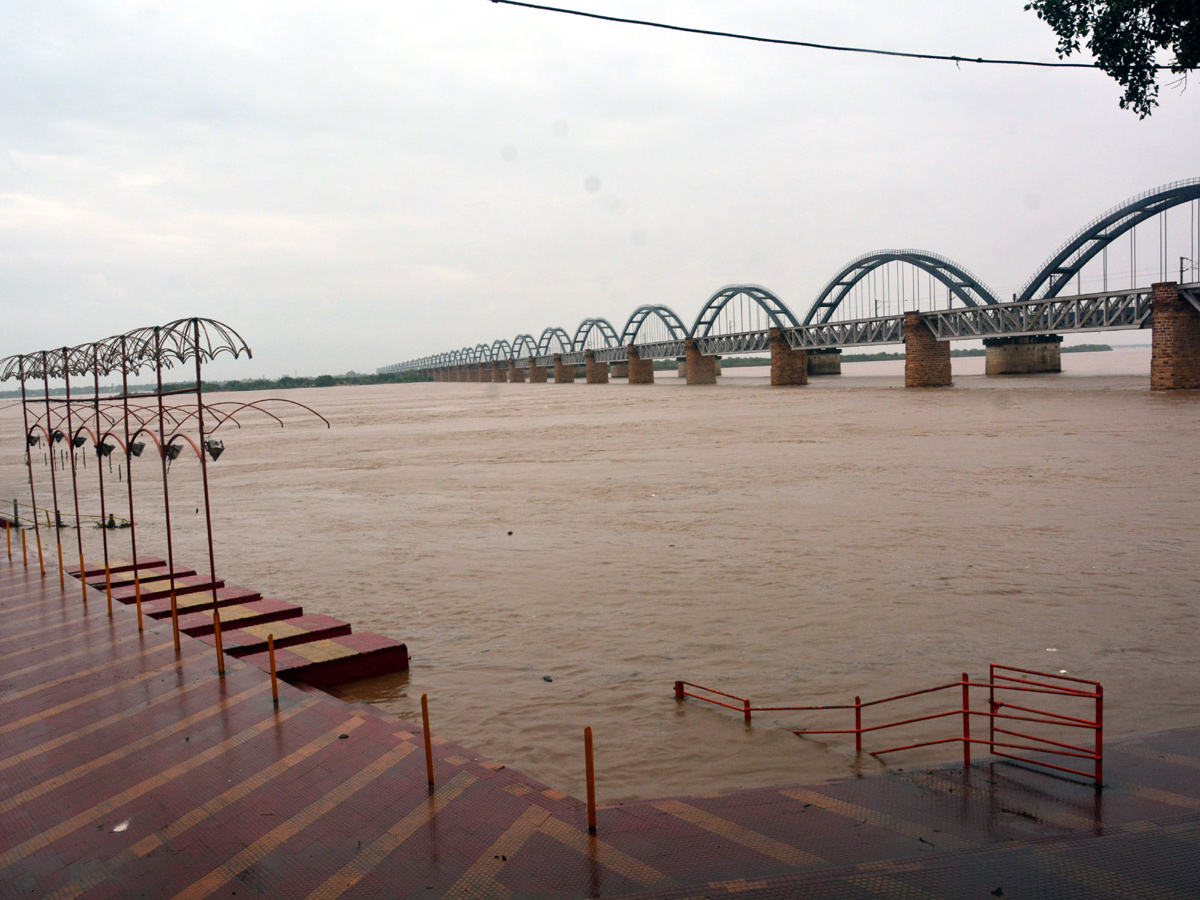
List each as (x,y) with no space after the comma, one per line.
(943,57)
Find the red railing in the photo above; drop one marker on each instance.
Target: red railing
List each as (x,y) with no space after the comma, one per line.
(1003,739)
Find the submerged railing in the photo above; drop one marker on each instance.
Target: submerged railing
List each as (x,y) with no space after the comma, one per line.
(1003,739)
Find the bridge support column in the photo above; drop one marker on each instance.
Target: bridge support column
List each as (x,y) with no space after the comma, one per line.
(537,374)
(618,370)
(485,372)
(641,371)
(499,372)
(926,359)
(436,374)
(1175,344)
(701,369)
(824,362)
(681,367)
(597,372)
(515,374)
(716,365)
(788,366)
(1023,354)
(563,374)
(473,373)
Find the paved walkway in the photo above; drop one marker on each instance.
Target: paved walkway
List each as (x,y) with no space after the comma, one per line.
(130,770)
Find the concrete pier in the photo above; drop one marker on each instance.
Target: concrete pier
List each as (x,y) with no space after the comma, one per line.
(1023,354)
(926,359)
(825,362)
(701,369)
(597,372)
(1175,345)
(641,371)
(537,374)
(788,366)
(563,374)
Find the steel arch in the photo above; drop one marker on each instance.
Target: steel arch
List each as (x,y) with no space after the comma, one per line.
(546,344)
(483,353)
(780,315)
(1072,256)
(674,325)
(588,327)
(502,350)
(524,346)
(959,281)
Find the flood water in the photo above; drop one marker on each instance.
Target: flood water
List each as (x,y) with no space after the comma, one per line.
(793,546)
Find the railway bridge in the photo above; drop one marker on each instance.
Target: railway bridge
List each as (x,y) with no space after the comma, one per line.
(898,296)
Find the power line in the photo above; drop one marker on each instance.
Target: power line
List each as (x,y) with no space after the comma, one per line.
(809,44)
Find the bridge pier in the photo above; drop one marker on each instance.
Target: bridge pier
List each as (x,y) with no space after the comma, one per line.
(788,366)
(1175,343)
(618,370)
(563,374)
(597,372)
(485,372)
(641,371)
(499,372)
(1023,354)
(537,374)
(701,369)
(926,359)
(515,375)
(473,373)
(825,362)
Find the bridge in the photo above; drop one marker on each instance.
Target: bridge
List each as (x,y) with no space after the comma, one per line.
(927,301)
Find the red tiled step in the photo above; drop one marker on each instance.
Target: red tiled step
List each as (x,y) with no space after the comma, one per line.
(199,600)
(159,589)
(238,615)
(118,565)
(146,575)
(336,660)
(249,639)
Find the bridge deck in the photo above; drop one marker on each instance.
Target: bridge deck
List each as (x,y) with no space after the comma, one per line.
(128,770)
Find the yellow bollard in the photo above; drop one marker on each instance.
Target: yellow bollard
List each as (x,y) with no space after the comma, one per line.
(175,619)
(590,769)
(108,586)
(274,681)
(41,556)
(428,740)
(220,649)
(82,578)
(137,594)
(24,552)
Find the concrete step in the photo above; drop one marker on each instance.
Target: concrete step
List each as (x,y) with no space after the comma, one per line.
(123,564)
(156,590)
(248,639)
(198,601)
(238,615)
(147,576)
(336,660)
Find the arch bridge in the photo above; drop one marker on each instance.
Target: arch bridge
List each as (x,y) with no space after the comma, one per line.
(948,302)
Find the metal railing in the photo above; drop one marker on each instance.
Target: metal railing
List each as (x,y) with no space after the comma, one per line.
(100,521)
(1004,739)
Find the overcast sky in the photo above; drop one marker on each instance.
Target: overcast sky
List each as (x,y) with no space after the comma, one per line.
(354,184)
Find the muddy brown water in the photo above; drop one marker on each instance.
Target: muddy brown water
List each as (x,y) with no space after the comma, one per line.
(794,546)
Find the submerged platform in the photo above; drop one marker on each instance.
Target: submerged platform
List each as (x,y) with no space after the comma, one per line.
(128,769)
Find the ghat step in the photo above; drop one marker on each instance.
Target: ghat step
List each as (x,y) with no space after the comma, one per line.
(248,639)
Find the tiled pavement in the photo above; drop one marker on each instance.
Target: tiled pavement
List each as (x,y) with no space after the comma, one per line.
(127,770)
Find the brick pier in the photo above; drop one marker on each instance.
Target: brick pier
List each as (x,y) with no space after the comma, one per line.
(1175,352)
(926,359)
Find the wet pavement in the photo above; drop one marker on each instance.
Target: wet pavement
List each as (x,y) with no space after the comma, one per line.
(130,770)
